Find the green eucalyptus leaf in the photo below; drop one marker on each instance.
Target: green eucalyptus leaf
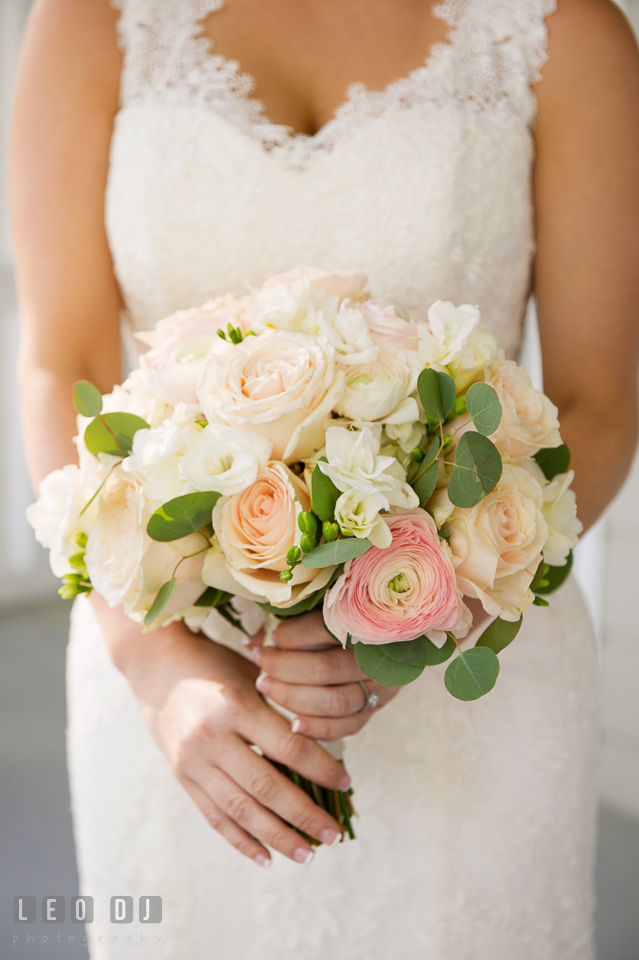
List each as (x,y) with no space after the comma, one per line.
(484,408)
(437,393)
(113,433)
(87,399)
(303,606)
(181,516)
(212,597)
(420,652)
(373,660)
(424,484)
(339,551)
(163,598)
(472,674)
(556,576)
(553,460)
(499,634)
(476,472)
(324,494)
(431,453)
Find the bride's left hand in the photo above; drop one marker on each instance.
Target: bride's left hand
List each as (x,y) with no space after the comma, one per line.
(320,686)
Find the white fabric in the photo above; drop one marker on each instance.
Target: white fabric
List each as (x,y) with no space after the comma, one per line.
(477,820)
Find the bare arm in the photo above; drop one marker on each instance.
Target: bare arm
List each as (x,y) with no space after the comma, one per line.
(587,264)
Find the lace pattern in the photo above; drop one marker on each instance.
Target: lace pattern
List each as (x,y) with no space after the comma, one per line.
(493,55)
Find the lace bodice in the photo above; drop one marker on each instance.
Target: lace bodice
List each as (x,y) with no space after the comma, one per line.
(426,184)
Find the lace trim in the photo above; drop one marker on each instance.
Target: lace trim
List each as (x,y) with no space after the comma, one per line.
(493,55)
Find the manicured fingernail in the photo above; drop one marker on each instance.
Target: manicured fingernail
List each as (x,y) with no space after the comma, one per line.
(256,653)
(344,783)
(263,683)
(247,641)
(330,838)
(262,860)
(303,855)
(299,726)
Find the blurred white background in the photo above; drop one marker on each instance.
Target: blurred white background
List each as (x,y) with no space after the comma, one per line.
(607,563)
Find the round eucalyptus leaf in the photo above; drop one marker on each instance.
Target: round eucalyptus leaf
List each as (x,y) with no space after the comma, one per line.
(374,661)
(113,433)
(472,674)
(437,393)
(499,634)
(420,652)
(477,470)
(553,460)
(181,516)
(87,399)
(484,408)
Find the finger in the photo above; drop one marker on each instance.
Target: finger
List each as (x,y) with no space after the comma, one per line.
(307,630)
(231,831)
(273,734)
(253,818)
(260,779)
(337,701)
(317,668)
(331,728)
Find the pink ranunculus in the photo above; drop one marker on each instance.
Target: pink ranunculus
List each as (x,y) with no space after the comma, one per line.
(401,592)
(387,328)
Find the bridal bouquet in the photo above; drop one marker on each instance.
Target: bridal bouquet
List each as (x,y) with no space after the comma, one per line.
(310,444)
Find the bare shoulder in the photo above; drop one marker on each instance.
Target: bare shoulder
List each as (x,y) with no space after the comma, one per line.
(74,42)
(591,48)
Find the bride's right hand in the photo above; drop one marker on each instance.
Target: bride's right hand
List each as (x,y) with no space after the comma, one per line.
(200,704)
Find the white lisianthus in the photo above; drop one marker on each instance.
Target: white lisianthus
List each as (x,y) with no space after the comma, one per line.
(354,461)
(560,513)
(57,516)
(481,349)
(347,330)
(357,514)
(444,337)
(155,461)
(382,390)
(292,307)
(222,458)
(406,435)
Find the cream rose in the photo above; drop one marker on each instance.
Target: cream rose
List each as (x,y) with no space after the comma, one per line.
(115,546)
(560,512)
(529,420)
(382,390)
(497,544)
(255,530)
(279,384)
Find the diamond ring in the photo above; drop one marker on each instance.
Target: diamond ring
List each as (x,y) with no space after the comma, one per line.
(371,698)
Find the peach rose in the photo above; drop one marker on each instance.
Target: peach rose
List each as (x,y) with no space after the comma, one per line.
(283,385)
(255,530)
(497,544)
(401,592)
(529,420)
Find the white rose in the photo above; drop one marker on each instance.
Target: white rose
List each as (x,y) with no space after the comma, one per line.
(354,462)
(357,514)
(379,390)
(223,459)
(116,543)
(529,420)
(444,337)
(279,384)
(560,512)
(481,350)
(497,543)
(57,516)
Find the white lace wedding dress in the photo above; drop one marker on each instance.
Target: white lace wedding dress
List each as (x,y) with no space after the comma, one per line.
(477,819)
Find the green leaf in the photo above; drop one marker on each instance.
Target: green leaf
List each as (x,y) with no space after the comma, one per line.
(87,399)
(374,661)
(431,453)
(324,494)
(339,551)
(113,433)
(472,674)
(484,408)
(539,576)
(499,634)
(553,460)
(212,597)
(425,482)
(556,576)
(476,472)
(420,652)
(436,392)
(165,594)
(181,516)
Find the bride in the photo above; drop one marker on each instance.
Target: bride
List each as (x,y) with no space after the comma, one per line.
(411,139)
